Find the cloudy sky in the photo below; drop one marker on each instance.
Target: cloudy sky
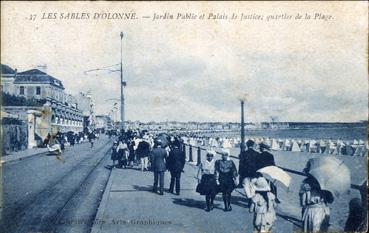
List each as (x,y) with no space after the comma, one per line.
(196,70)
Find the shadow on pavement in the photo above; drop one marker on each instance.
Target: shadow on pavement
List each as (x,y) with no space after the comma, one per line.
(235,200)
(142,188)
(294,221)
(191,203)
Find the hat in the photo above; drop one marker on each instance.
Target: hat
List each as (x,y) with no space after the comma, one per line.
(264,146)
(210,152)
(250,143)
(115,142)
(261,184)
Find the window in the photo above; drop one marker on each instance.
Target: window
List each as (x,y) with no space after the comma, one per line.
(21,90)
(38,90)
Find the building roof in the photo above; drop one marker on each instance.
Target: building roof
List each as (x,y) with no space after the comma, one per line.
(37,76)
(7,70)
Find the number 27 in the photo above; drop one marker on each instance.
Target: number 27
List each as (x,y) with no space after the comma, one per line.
(32,17)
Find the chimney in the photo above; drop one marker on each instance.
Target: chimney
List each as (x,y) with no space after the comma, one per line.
(43,68)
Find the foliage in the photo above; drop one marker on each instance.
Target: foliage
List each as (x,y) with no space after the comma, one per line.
(12,100)
(10,121)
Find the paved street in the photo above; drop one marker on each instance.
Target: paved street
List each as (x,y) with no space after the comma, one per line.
(41,192)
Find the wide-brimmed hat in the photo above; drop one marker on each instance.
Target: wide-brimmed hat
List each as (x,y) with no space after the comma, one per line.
(264,146)
(261,184)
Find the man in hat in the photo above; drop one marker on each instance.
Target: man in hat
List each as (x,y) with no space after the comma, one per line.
(265,159)
(247,165)
(175,165)
(159,156)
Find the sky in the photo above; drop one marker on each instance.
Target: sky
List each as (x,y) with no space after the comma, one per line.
(197,70)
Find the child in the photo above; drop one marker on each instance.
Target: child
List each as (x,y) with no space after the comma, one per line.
(114,153)
(263,205)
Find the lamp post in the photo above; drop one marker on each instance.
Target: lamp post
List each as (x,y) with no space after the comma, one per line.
(122,84)
(242,126)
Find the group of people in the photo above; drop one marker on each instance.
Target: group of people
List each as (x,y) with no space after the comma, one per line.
(152,154)
(130,151)
(220,176)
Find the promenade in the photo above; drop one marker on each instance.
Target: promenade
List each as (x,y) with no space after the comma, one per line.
(128,205)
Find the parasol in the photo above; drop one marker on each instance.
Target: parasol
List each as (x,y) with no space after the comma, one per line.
(331,173)
(274,173)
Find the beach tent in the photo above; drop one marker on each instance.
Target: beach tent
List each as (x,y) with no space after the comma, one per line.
(275,145)
(295,147)
(268,142)
(227,143)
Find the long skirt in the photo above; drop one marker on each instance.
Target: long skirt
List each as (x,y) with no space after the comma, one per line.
(226,182)
(208,185)
(264,221)
(316,218)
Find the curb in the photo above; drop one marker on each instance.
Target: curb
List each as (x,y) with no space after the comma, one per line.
(99,218)
(22,157)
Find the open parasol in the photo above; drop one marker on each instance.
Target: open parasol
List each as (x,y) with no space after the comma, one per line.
(331,173)
(274,173)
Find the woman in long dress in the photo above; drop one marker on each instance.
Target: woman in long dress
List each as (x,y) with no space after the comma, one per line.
(226,173)
(207,184)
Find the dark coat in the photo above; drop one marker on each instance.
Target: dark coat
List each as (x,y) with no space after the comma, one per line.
(248,163)
(143,149)
(265,159)
(158,159)
(114,153)
(176,160)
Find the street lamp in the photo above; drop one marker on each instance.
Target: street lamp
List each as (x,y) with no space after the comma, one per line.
(122,84)
(242,127)
(242,101)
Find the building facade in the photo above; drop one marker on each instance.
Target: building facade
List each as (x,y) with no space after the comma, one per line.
(86,103)
(61,108)
(7,79)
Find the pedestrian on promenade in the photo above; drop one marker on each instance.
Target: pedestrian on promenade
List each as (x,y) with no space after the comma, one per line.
(71,139)
(91,137)
(247,165)
(122,151)
(114,153)
(131,152)
(263,205)
(226,173)
(207,185)
(158,158)
(265,159)
(314,202)
(175,165)
(142,152)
